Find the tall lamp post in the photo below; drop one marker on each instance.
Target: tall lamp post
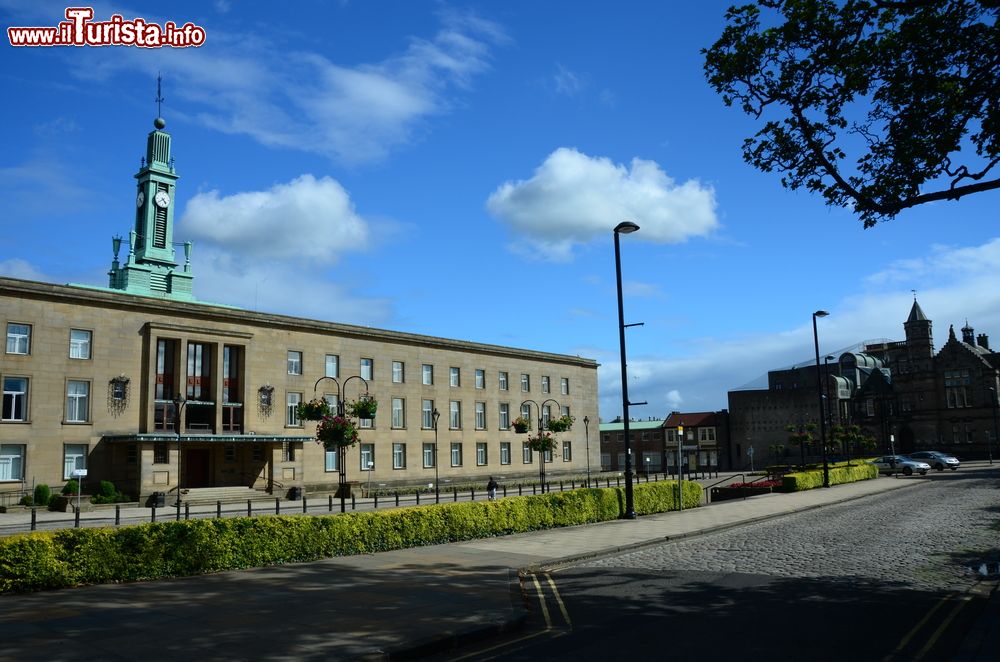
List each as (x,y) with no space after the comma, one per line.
(586,431)
(541,427)
(435,415)
(178,408)
(819,393)
(342,450)
(996,426)
(625,227)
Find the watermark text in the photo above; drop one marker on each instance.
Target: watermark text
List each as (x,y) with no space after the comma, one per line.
(79,29)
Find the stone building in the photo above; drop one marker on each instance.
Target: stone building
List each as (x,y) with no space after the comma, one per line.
(654,443)
(104,378)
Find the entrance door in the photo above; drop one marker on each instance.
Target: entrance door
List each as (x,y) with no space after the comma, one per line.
(196,468)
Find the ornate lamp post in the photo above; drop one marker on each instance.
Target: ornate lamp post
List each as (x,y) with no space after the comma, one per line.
(541,428)
(341,408)
(435,415)
(819,393)
(586,431)
(625,227)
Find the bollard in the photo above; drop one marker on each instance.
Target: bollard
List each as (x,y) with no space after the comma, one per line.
(218,509)
(305,509)
(277,505)
(505,490)
(330,498)
(34,519)
(397,498)
(177,507)
(455,492)
(187,510)
(76,522)
(618,481)
(249,508)
(572,484)
(418,497)
(561,486)
(118,514)
(472,495)
(343,502)
(533,488)
(153,516)
(376,501)
(354,501)
(519,493)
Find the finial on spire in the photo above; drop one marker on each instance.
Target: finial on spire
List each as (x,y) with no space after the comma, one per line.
(159,122)
(914,295)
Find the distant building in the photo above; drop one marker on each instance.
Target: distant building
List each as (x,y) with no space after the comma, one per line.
(654,442)
(900,393)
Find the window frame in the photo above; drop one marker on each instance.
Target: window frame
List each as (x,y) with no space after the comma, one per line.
(398,422)
(12,456)
(505,452)
(366,450)
(455,377)
(454,414)
(292,419)
(398,372)
(428,454)
(82,451)
(482,454)
(427,374)
(525,382)
(456,453)
(480,378)
(480,415)
(86,345)
(294,362)
(368,368)
(503,382)
(336,365)
(24,396)
(85,398)
(398,455)
(11,336)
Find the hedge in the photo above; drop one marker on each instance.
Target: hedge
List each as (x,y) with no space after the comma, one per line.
(807,480)
(70,557)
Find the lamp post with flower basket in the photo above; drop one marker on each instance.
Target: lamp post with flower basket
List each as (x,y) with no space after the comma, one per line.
(543,442)
(335,429)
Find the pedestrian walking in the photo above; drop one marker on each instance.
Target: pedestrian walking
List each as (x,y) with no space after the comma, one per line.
(491,489)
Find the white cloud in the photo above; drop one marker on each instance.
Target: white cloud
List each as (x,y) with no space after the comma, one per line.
(17,268)
(573,198)
(566,82)
(306,219)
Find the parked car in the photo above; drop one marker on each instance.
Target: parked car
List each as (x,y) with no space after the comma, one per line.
(890,464)
(937,459)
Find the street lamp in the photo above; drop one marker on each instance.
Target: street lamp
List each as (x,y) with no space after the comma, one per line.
(435,415)
(625,227)
(996,426)
(541,427)
(819,393)
(178,408)
(341,396)
(586,431)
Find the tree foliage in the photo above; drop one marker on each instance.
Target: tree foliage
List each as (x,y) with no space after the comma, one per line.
(876,105)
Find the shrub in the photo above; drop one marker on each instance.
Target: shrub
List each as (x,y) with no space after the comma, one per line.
(807,480)
(42,495)
(176,548)
(108,493)
(71,486)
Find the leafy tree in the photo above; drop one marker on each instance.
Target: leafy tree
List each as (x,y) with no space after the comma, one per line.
(801,436)
(879,105)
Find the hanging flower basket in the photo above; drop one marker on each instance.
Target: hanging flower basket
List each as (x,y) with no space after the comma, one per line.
(363,407)
(336,431)
(543,442)
(561,424)
(314,410)
(521,425)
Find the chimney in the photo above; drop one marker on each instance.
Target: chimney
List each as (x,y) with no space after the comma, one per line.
(984,341)
(968,334)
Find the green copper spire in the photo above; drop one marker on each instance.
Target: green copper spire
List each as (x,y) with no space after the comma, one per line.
(151,268)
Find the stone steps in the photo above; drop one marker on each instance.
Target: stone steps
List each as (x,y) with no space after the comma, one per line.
(209,495)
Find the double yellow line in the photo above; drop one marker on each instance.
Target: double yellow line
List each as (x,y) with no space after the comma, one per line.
(941,629)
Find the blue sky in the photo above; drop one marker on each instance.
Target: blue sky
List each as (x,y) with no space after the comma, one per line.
(455,169)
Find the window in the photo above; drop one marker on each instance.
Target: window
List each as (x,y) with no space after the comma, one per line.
(256,453)
(330,460)
(15,399)
(504,416)
(502,381)
(564,385)
(481,453)
(294,363)
(480,415)
(428,456)
(504,452)
(567,451)
(545,384)
(526,453)
(331,367)
(427,374)
(367,457)
(456,454)
(955,383)
(706,434)
(11,462)
(229,453)
(18,338)
(455,415)
(480,378)
(79,344)
(398,372)
(368,423)
(525,383)
(455,377)
(77,401)
(367,369)
(292,401)
(161,454)
(564,411)
(132,454)
(74,457)
(399,456)
(427,414)
(546,415)
(526,411)
(287,451)
(398,413)
(547,456)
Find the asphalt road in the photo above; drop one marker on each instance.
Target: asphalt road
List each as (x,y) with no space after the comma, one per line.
(894,577)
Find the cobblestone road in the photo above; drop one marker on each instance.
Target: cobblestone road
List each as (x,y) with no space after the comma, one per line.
(926,537)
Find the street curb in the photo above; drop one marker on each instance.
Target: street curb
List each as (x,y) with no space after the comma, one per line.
(555,564)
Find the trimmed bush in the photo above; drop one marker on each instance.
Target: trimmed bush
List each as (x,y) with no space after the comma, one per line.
(176,548)
(71,487)
(42,495)
(108,493)
(807,480)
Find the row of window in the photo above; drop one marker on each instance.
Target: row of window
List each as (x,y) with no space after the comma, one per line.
(704,434)
(397,413)
(19,340)
(15,401)
(12,460)
(455,455)
(366,369)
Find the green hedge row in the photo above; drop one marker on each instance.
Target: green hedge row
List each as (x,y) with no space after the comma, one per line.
(841,473)
(70,557)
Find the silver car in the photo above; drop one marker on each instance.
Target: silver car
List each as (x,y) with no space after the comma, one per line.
(891,464)
(937,459)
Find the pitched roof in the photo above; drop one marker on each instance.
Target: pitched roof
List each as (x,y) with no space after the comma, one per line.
(691,419)
(614,426)
(916,315)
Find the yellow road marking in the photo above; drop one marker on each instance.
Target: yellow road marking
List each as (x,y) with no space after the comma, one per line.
(541,601)
(559,600)
(916,628)
(941,628)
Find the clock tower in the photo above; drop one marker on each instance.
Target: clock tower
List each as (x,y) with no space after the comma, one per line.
(150,267)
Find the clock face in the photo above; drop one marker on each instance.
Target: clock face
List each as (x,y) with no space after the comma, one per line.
(162,199)
(139,199)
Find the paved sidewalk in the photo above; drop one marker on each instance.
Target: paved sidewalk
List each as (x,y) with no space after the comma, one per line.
(391,605)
